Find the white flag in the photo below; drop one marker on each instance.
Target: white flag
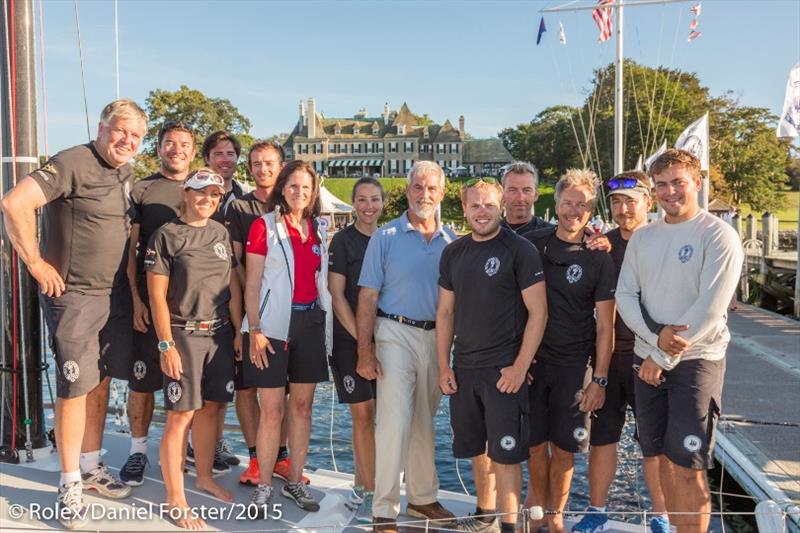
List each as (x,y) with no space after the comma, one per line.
(650,160)
(695,139)
(562,37)
(639,164)
(789,124)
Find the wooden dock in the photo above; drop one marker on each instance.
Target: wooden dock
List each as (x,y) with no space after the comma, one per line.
(758,440)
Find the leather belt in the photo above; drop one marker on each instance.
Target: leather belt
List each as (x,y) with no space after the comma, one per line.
(206,326)
(427,325)
(304,307)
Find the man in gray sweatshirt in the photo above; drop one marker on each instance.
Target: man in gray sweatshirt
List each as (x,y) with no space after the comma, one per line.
(683,269)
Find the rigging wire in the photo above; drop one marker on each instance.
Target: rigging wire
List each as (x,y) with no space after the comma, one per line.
(676,87)
(83,76)
(116,43)
(43,77)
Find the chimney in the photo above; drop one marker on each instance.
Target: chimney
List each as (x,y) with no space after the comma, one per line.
(386,113)
(302,114)
(461,126)
(312,123)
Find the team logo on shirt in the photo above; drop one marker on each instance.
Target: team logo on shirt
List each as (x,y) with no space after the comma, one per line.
(149,257)
(315,248)
(580,434)
(71,371)
(508,443)
(574,273)
(229,387)
(174,392)
(49,168)
(139,369)
(221,250)
(492,266)
(685,253)
(349,384)
(692,443)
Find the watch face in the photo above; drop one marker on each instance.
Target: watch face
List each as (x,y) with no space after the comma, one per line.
(163,346)
(601,381)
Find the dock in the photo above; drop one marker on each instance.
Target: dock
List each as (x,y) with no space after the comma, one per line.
(758,438)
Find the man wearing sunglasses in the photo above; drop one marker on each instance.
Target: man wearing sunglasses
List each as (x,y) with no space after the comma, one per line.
(492,268)
(629,197)
(683,270)
(565,388)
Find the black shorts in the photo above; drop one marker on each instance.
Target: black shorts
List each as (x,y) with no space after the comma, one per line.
(607,426)
(554,412)
(145,370)
(91,338)
(350,387)
(677,418)
(300,359)
(207,369)
(487,420)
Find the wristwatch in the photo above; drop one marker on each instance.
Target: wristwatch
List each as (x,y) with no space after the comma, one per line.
(163,346)
(602,381)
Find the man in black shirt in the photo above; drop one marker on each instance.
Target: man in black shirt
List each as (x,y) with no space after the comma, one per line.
(629,196)
(265,161)
(580,284)
(221,152)
(520,192)
(492,268)
(85,195)
(156,200)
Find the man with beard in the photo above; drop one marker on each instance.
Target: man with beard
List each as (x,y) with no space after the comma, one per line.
(493,268)
(629,196)
(682,270)
(399,284)
(265,161)
(84,193)
(579,336)
(221,152)
(156,200)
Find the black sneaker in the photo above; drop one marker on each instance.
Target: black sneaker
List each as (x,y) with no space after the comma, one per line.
(132,472)
(224,452)
(301,495)
(217,468)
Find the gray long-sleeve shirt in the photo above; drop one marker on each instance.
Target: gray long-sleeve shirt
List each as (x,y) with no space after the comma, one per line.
(683,274)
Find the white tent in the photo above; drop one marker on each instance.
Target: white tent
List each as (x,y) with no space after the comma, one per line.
(331,204)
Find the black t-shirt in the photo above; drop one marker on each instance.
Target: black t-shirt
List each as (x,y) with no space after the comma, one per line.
(156,200)
(623,336)
(576,278)
(534,224)
(227,200)
(198,261)
(240,214)
(86,222)
(487,278)
(345,256)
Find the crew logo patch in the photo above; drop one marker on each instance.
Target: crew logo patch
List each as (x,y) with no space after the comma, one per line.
(149,257)
(221,250)
(229,387)
(685,253)
(574,273)
(139,369)
(315,248)
(349,384)
(692,443)
(580,434)
(174,392)
(492,266)
(508,443)
(71,371)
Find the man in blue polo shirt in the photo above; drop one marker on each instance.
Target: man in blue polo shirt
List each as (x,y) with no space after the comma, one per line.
(399,285)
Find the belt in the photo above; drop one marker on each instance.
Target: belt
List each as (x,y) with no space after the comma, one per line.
(208,326)
(422,324)
(304,307)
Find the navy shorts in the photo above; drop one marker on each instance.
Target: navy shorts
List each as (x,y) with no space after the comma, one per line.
(555,416)
(145,372)
(487,420)
(678,418)
(608,424)
(350,387)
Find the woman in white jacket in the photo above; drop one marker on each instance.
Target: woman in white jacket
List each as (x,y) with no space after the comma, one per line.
(288,324)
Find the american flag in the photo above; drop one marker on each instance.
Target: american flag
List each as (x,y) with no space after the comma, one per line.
(696,9)
(693,24)
(693,35)
(602,17)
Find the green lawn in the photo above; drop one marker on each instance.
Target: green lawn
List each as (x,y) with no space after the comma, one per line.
(787,216)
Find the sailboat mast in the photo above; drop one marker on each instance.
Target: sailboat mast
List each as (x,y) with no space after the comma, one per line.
(619,102)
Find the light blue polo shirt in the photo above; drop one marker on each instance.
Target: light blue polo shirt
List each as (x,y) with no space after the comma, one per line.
(404,268)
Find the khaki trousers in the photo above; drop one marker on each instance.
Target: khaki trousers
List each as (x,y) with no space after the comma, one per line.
(408,397)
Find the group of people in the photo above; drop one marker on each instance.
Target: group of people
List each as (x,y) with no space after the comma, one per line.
(541,335)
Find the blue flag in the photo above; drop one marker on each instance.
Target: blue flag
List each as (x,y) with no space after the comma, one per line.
(542,29)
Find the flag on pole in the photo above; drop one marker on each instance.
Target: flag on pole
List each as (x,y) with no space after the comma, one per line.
(562,37)
(694,139)
(789,124)
(602,17)
(696,9)
(542,29)
(650,160)
(693,24)
(639,163)
(693,35)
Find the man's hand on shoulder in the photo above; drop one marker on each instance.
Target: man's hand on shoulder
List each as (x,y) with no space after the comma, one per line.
(597,241)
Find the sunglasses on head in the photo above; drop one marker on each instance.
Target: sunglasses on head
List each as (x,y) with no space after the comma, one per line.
(474,181)
(615,184)
(175,125)
(204,177)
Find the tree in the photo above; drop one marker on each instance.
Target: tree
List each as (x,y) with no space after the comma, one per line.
(203,114)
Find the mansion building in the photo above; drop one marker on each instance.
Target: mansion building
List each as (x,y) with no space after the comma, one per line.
(386,145)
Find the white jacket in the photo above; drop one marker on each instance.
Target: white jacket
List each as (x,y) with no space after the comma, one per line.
(277,282)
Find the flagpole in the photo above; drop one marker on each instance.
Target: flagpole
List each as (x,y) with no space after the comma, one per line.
(619,107)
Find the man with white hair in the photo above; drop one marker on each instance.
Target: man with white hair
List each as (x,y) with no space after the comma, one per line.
(85,195)
(399,284)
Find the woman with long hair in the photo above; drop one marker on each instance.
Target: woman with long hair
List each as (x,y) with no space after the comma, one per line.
(287,331)
(188,262)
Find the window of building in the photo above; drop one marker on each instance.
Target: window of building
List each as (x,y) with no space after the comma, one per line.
(375,130)
(380,147)
(425,148)
(454,164)
(401,129)
(441,164)
(408,146)
(393,166)
(337,130)
(356,129)
(454,148)
(392,148)
(440,148)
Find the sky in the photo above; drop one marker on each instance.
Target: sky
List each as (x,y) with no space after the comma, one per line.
(444,58)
